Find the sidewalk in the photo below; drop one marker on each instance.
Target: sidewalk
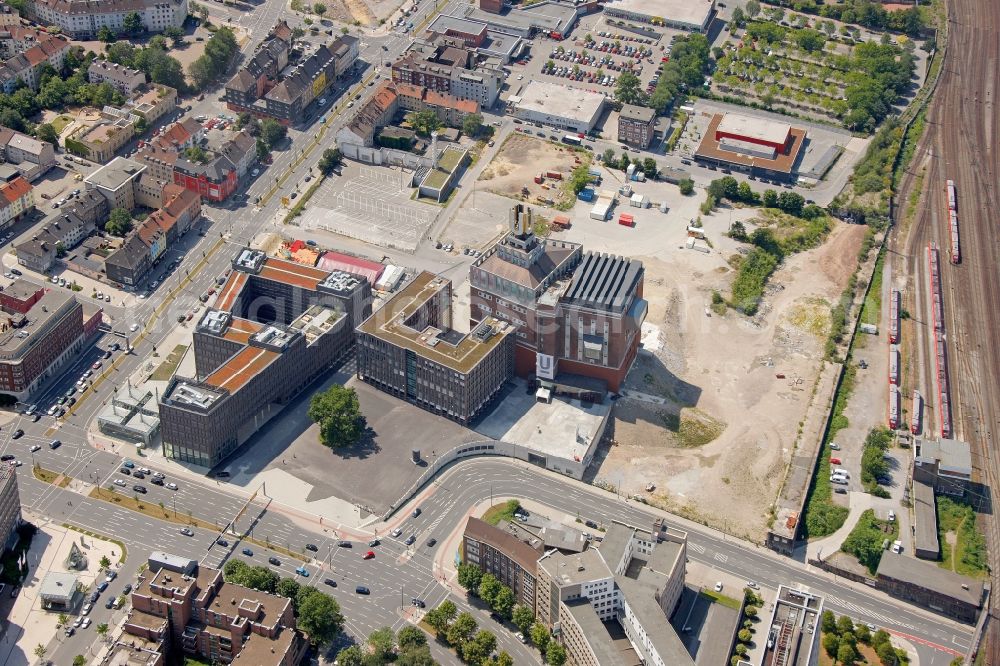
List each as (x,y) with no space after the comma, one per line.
(860,502)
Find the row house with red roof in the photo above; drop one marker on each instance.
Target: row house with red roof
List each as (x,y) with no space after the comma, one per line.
(25,51)
(17,198)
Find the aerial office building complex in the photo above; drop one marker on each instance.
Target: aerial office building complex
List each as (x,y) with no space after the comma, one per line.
(275,327)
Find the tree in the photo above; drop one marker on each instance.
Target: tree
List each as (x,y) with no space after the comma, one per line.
(863,634)
(461,630)
(40,651)
(745,194)
(288,588)
(828,622)
(351,656)
(845,625)
(119,222)
(649,168)
(46,132)
(477,650)
(503,603)
(539,636)
(410,638)
(489,587)
(175,34)
(555,655)
(102,630)
(338,414)
(791,203)
(331,159)
(319,8)
(739,17)
(608,157)
(261,578)
(132,24)
(469,576)
(501,659)
(320,618)
(262,150)
(752,8)
(197,154)
(382,643)
(201,72)
(105,562)
(686,186)
(831,644)
(106,35)
(79,660)
(744,635)
(522,618)
(770,199)
(424,122)
(441,617)
(272,132)
(62,620)
(122,53)
(628,90)
(420,656)
(846,654)
(472,124)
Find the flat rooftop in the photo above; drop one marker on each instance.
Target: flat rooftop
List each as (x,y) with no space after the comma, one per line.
(553,429)
(710,148)
(241,368)
(16,341)
(576,568)
(567,102)
(761,129)
(690,12)
(445,22)
(115,173)
(596,634)
(457,353)
(932,577)
(289,272)
(796,618)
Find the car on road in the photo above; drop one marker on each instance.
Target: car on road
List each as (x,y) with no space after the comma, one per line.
(187,531)
(591,524)
(55,444)
(87,607)
(156,481)
(431,542)
(35,447)
(302,572)
(109,603)
(172,486)
(247,552)
(345,544)
(752,584)
(370,555)
(416,512)
(102,586)
(396,532)
(17,434)
(70,631)
(892,516)
(35,418)
(127,588)
(86,623)
(97,365)
(373,543)
(7,456)
(120,482)
(313,547)
(410,539)
(111,576)
(361,589)
(134,327)
(329,581)
(835,446)
(418,603)
(274,560)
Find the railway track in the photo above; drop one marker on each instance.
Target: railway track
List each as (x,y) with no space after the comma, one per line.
(960,144)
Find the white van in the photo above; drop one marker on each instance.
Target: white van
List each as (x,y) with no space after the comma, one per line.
(842,472)
(840,480)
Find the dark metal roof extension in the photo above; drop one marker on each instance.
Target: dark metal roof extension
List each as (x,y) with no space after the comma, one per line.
(604,282)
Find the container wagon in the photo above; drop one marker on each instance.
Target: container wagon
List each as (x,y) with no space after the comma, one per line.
(944,401)
(956,253)
(935,285)
(916,421)
(952,195)
(894,303)
(893,366)
(893,407)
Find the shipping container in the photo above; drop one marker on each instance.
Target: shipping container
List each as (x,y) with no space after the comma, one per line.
(601,210)
(554,175)
(586,194)
(626,220)
(539,179)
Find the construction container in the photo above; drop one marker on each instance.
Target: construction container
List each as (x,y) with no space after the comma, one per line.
(596,173)
(664,208)
(539,179)
(639,176)
(601,209)
(561,221)
(626,220)
(554,175)
(586,194)
(639,201)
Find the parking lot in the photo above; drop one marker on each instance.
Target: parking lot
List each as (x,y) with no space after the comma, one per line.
(372,204)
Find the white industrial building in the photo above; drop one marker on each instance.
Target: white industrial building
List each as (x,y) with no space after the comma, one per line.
(559,106)
(689,15)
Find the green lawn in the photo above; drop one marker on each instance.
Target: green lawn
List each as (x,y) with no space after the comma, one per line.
(866,539)
(871,311)
(969,556)
(166,369)
(719,598)
(500,512)
(60,122)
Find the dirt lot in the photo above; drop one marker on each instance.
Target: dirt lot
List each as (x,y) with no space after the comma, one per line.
(713,426)
(520,159)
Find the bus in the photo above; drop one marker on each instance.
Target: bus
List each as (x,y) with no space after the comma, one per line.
(572,139)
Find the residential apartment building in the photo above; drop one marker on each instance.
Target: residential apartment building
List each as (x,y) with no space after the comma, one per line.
(203,616)
(40,331)
(102,141)
(10,505)
(501,553)
(409,349)
(124,79)
(275,326)
(26,51)
(636,125)
(145,245)
(229,158)
(39,253)
(83,19)
(576,313)
(376,113)
(633,578)
(161,152)
(447,66)
(257,88)
(450,110)
(116,182)
(17,199)
(28,155)
(153,103)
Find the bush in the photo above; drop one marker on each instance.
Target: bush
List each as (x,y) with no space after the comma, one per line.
(686,186)
(865,543)
(748,287)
